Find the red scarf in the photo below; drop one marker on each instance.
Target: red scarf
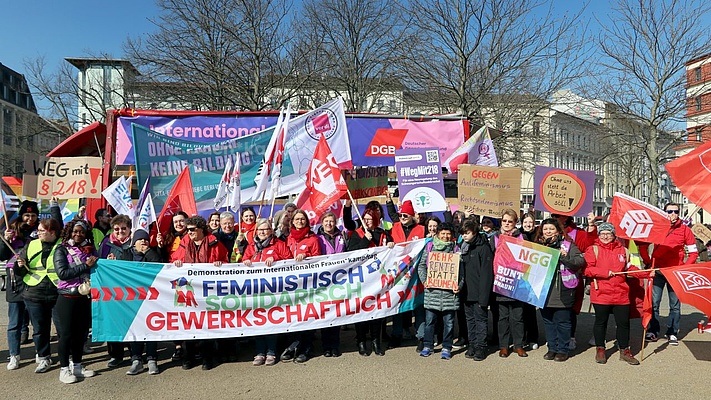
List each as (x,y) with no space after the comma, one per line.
(198,254)
(299,233)
(245,227)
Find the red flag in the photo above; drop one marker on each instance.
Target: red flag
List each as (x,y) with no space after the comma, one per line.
(324,180)
(180,198)
(637,220)
(304,203)
(691,173)
(647,310)
(692,284)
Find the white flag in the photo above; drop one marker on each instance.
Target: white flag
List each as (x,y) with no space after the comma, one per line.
(478,150)
(147,215)
(119,197)
(265,168)
(279,153)
(236,199)
(223,191)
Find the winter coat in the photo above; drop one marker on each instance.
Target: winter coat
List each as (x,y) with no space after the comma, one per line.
(478,266)
(561,296)
(151,255)
(215,252)
(671,252)
(276,249)
(331,244)
(45,291)
(308,245)
(610,257)
(582,238)
(358,241)
(108,247)
(70,264)
(402,234)
(439,299)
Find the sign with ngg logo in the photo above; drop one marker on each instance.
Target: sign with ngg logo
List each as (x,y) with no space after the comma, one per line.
(637,220)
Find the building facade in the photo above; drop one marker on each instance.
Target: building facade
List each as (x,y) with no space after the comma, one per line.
(22,130)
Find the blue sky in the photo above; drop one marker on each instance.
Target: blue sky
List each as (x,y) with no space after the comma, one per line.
(77,28)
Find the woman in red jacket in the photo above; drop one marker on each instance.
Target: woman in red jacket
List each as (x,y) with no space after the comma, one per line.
(609,294)
(267,249)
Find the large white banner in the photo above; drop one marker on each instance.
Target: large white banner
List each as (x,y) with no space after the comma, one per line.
(150,302)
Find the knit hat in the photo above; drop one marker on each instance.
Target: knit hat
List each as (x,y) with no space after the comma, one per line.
(407,208)
(606,227)
(28,207)
(138,235)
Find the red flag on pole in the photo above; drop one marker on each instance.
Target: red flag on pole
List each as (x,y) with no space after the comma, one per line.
(636,220)
(691,173)
(647,310)
(180,198)
(324,180)
(692,284)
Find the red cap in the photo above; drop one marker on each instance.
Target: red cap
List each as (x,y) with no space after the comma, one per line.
(407,208)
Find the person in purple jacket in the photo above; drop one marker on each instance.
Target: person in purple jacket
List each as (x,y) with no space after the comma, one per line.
(331,241)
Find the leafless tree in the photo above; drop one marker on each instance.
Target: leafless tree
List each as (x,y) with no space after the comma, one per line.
(222,54)
(645,47)
(358,49)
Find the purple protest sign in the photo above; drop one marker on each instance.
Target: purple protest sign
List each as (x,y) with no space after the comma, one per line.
(564,191)
(419,178)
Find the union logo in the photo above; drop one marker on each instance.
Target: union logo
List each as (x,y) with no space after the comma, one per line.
(692,280)
(325,123)
(637,224)
(184,293)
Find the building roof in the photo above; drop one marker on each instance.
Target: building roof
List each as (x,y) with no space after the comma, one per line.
(83,62)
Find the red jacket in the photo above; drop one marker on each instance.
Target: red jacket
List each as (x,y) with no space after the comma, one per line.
(276,249)
(610,257)
(308,246)
(671,252)
(216,250)
(398,233)
(582,238)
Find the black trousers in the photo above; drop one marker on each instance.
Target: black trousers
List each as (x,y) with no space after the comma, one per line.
(530,323)
(373,327)
(511,323)
(622,320)
(75,314)
(477,324)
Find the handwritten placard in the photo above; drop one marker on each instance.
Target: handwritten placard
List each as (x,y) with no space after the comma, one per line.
(563,191)
(442,270)
(63,177)
(489,190)
(701,232)
(367,182)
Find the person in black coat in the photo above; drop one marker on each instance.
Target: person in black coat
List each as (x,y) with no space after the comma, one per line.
(478,260)
(141,251)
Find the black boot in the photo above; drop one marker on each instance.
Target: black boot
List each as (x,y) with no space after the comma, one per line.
(362,350)
(378,348)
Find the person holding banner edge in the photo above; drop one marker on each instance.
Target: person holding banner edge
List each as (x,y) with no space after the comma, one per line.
(558,311)
(669,254)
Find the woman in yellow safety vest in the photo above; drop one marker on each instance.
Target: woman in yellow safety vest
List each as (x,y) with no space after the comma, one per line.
(36,266)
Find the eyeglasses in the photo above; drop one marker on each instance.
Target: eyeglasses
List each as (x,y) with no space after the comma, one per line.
(120,228)
(507,221)
(191,229)
(264,229)
(405,215)
(672,211)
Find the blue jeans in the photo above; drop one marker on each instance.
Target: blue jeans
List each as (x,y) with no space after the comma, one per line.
(265,345)
(17,323)
(41,317)
(558,324)
(448,327)
(674,307)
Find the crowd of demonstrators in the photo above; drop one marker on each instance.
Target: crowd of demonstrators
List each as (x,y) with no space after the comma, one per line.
(679,248)
(51,268)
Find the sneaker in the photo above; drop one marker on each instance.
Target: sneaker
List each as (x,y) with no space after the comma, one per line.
(470,353)
(14,362)
(87,348)
(479,354)
(177,354)
(591,342)
(271,360)
(136,368)
(114,362)
(66,376)
(651,337)
(626,355)
(301,358)
(533,346)
(44,365)
(426,352)
(460,344)
(153,367)
(420,345)
(572,344)
(600,356)
(258,360)
(673,340)
(81,372)
(446,354)
(288,354)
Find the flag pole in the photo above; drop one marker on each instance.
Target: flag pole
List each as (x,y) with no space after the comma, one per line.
(644,331)
(261,204)
(635,271)
(4,213)
(355,205)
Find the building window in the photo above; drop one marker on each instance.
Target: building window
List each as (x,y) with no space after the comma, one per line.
(7,138)
(381,105)
(698,103)
(698,135)
(393,106)
(698,73)
(536,128)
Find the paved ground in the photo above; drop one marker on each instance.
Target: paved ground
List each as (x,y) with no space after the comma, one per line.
(672,372)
